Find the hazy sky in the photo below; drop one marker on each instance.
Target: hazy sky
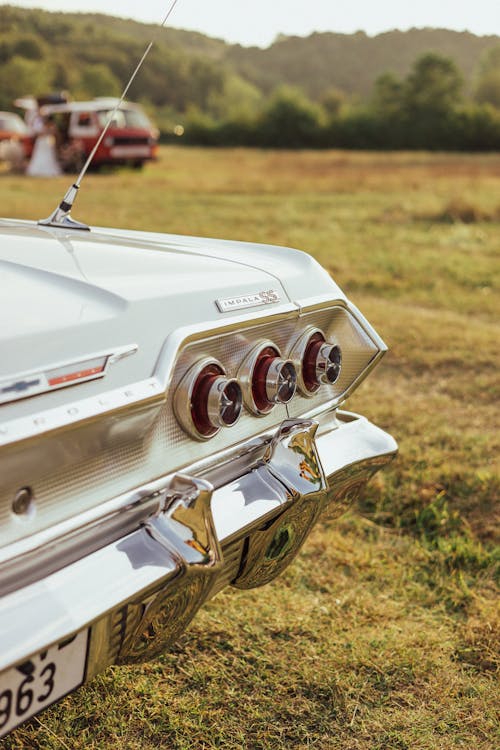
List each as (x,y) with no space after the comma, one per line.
(259,21)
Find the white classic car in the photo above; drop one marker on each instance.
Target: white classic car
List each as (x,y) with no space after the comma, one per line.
(170,424)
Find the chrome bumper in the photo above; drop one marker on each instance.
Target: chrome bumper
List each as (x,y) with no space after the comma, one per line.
(197,534)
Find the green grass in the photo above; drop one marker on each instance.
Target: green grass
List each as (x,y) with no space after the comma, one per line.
(384,634)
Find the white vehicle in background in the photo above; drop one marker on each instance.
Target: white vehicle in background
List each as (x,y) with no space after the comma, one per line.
(131,139)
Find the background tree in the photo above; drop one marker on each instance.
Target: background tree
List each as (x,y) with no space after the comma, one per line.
(290,120)
(19,76)
(29,46)
(332,101)
(388,95)
(487,88)
(238,99)
(432,95)
(97,80)
(434,86)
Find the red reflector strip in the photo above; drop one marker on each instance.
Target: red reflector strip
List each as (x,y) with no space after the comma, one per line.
(75,375)
(76,372)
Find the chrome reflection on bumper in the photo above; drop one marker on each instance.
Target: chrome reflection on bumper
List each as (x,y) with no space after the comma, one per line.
(292,465)
(186,530)
(140,592)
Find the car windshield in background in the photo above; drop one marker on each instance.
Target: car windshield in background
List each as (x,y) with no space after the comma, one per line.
(124,118)
(12,123)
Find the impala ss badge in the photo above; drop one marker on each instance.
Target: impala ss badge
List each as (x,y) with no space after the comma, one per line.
(61,375)
(268,297)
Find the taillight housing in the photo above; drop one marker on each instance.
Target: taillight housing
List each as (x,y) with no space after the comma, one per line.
(318,362)
(267,379)
(207,400)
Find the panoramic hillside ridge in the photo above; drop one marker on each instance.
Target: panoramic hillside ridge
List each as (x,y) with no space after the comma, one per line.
(352,62)
(316,63)
(324,90)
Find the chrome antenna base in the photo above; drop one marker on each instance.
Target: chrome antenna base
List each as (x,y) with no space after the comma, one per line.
(61,217)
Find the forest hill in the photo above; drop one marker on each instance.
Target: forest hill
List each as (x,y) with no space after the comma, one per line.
(323,91)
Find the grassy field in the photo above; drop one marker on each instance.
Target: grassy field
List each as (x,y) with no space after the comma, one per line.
(384,634)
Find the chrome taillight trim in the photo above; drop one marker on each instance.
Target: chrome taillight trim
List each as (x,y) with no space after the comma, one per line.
(329,363)
(218,391)
(246,374)
(298,354)
(281,373)
(183,399)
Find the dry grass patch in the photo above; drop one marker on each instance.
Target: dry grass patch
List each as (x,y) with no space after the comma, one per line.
(464,212)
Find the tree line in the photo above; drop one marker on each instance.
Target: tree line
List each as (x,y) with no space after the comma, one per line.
(214,94)
(424,110)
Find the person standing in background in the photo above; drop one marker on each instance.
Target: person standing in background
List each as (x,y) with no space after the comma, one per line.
(44,161)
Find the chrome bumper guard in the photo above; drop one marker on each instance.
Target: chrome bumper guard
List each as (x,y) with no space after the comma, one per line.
(138,593)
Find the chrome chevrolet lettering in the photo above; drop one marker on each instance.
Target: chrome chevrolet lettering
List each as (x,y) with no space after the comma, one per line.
(267,297)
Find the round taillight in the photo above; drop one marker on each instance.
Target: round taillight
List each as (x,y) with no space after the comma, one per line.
(268,379)
(318,361)
(207,400)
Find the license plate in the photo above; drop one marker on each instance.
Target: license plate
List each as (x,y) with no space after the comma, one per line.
(33,685)
(131,152)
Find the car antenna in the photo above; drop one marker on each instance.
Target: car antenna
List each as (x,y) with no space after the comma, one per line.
(61,217)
